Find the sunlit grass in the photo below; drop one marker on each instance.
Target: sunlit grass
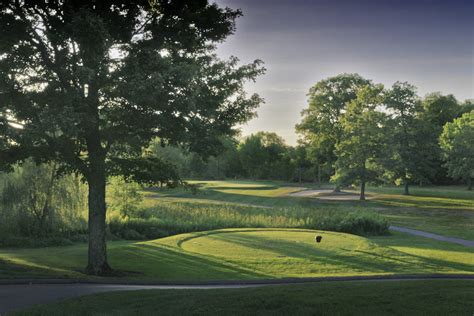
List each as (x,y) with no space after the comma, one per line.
(251,254)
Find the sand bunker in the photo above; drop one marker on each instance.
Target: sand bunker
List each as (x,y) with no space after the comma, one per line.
(311,192)
(329,195)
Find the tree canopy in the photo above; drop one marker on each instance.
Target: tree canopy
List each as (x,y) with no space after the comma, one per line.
(457,143)
(89,83)
(406,158)
(360,149)
(321,126)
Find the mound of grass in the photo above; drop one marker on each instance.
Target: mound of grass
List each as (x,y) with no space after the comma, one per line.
(335,298)
(234,254)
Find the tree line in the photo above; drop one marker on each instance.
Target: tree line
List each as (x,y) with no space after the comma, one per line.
(353,132)
(360,132)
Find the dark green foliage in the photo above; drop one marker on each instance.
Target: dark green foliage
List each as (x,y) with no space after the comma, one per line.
(409,156)
(408,153)
(37,203)
(457,143)
(437,110)
(264,155)
(89,85)
(321,127)
(360,149)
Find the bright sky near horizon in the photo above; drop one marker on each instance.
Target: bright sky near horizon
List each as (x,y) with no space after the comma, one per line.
(429,43)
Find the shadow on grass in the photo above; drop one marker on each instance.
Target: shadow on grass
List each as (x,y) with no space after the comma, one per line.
(10,270)
(158,261)
(385,260)
(373,262)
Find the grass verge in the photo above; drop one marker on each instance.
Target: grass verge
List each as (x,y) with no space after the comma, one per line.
(439,297)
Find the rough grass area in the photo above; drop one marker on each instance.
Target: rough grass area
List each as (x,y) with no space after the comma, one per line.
(236,254)
(438,297)
(442,210)
(166,218)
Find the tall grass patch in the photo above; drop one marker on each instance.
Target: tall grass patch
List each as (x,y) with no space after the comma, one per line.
(167,218)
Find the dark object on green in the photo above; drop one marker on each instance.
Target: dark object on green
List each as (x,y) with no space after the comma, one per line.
(318,239)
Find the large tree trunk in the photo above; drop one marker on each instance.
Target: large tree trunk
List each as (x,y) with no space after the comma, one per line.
(319,175)
(406,191)
(97,260)
(362,190)
(337,189)
(46,216)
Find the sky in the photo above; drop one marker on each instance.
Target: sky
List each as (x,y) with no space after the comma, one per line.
(429,43)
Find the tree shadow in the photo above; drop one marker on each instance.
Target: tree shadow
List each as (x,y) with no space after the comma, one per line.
(386,260)
(165,263)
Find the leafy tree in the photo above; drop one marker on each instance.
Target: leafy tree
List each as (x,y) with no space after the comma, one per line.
(36,202)
(175,155)
(363,135)
(407,160)
(467,106)
(437,110)
(227,162)
(302,163)
(89,83)
(457,142)
(264,156)
(440,109)
(321,126)
(253,156)
(123,197)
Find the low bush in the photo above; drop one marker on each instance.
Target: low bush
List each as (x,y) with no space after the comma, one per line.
(358,223)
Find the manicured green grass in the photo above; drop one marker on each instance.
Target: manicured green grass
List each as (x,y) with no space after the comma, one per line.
(445,192)
(235,254)
(440,297)
(443,210)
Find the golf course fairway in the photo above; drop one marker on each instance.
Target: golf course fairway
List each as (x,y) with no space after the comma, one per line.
(239,254)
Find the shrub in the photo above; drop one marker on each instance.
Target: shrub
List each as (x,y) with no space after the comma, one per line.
(357,223)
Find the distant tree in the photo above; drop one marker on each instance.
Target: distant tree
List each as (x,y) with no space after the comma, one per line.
(264,156)
(436,111)
(406,147)
(197,166)
(302,162)
(321,126)
(457,142)
(360,147)
(89,83)
(228,160)
(440,109)
(178,156)
(467,106)
(253,156)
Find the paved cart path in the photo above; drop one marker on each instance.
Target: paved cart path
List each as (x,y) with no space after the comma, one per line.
(464,242)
